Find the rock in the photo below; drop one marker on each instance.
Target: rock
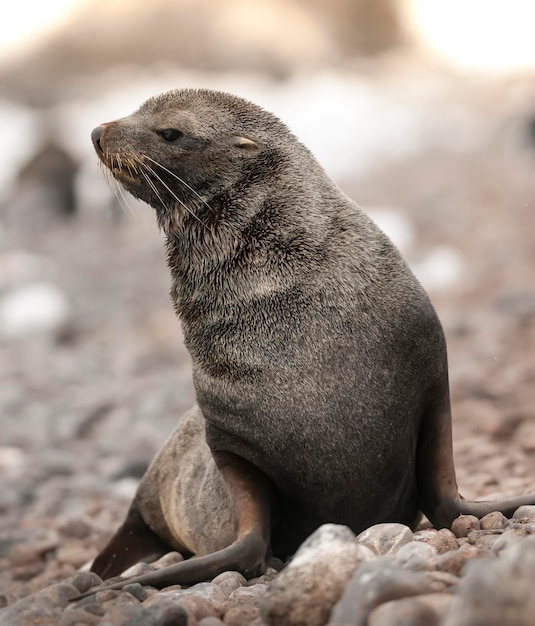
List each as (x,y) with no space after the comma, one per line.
(372,584)
(74,555)
(423,610)
(136,590)
(75,616)
(251,595)
(75,528)
(197,607)
(508,538)
(139,569)
(241,615)
(13,462)
(167,559)
(34,308)
(525,512)
(229,581)
(525,435)
(83,581)
(494,520)
(60,594)
(31,610)
(416,556)
(165,614)
(210,621)
(216,598)
(484,539)
(463,524)
(498,591)
(454,560)
(305,592)
(385,538)
(441,581)
(425,535)
(25,553)
(444,540)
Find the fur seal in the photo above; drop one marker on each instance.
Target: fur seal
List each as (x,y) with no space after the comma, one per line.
(319,363)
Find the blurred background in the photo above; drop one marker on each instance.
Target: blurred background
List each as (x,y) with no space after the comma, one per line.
(422,110)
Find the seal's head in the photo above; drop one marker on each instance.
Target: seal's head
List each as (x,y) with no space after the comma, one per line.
(185,149)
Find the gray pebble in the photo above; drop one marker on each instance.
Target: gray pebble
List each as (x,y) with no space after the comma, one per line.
(78,616)
(30,552)
(416,556)
(210,621)
(83,581)
(425,535)
(526,511)
(423,610)
(372,584)
(494,520)
(248,595)
(496,592)
(386,538)
(307,589)
(441,581)
(454,561)
(167,559)
(508,539)
(139,569)
(75,528)
(241,615)
(136,590)
(60,594)
(228,581)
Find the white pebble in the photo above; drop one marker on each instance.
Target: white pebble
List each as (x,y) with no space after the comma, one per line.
(34,308)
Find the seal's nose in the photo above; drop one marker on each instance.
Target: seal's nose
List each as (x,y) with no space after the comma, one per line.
(96,136)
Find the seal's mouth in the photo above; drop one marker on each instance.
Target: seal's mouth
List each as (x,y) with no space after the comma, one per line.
(121,169)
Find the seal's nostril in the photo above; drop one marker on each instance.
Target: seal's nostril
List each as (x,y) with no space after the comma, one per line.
(96,136)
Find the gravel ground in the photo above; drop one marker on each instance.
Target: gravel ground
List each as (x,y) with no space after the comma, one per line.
(85,405)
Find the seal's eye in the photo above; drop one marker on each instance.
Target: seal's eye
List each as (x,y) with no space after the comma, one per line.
(171,134)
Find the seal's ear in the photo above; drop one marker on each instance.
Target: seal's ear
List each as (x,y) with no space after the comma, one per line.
(244,143)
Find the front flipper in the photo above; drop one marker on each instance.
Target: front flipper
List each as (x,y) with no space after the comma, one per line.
(252,497)
(133,542)
(437,485)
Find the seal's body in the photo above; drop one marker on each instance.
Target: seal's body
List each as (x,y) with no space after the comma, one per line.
(319,363)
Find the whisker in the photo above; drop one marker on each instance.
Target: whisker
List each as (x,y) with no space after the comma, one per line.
(183,182)
(151,171)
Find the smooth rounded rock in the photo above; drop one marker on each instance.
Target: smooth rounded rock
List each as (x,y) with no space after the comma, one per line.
(444,540)
(416,556)
(454,560)
(463,524)
(494,521)
(423,610)
(373,584)
(386,538)
(248,595)
(229,581)
(241,615)
(495,592)
(305,592)
(527,512)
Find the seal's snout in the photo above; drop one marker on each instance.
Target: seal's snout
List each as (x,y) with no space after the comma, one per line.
(96,136)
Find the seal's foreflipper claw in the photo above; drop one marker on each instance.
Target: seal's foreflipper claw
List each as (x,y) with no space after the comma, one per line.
(133,542)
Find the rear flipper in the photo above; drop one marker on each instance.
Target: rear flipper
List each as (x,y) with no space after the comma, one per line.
(251,494)
(133,542)
(435,472)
